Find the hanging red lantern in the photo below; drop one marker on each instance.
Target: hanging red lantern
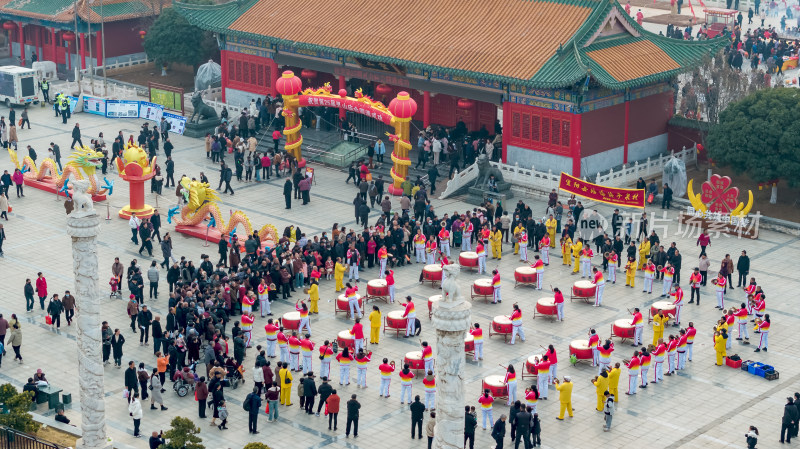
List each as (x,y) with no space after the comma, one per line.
(383,90)
(68,36)
(9,26)
(142,33)
(465,103)
(308,74)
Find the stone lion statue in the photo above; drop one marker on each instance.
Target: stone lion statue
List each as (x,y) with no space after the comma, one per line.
(201,109)
(81,200)
(451,292)
(485,169)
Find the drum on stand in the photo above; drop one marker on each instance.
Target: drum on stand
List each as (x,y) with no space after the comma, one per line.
(414,360)
(432,273)
(581,350)
(530,371)
(501,325)
(469,344)
(667,307)
(584,290)
(377,289)
(394,321)
(525,276)
(431,301)
(468,259)
(482,288)
(343,305)
(623,329)
(291,320)
(346,339)
(496,386)
(545,306)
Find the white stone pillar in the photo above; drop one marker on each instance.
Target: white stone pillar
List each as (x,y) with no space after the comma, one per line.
(83,225)
(451,319)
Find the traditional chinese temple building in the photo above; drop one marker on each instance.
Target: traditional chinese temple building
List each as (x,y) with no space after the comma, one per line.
(577,84)
(48,28)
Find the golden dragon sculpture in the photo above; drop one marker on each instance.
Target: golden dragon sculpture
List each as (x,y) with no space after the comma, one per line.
(81,160)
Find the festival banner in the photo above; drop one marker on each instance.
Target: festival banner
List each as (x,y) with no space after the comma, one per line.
(603,194)
(346,103)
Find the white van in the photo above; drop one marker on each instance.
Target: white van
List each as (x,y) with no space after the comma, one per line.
(18,85)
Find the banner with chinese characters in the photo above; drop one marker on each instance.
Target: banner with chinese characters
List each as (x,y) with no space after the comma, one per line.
(610,195)
(346,103)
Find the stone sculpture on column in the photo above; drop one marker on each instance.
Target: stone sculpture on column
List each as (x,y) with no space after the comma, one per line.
(83,225)
(451,319)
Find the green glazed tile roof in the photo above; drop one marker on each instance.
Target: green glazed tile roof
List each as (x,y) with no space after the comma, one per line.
(119,9)
(63,11)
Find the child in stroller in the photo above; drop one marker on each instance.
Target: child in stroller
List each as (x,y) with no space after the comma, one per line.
(115,291)
(235,373)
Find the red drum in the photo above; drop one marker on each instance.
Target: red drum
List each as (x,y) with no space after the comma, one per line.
(469,344)
(433,299)
(666,306)
(496,386)
(546,306)
(501,325)
(468,259)
(622,328)
(524,275)
(584,289)
(343,305)
(414,360)
(394,320)
(432,273)
(530,371)
(377,287)
(291,320)
(482,287)
(581,349)
(346,339)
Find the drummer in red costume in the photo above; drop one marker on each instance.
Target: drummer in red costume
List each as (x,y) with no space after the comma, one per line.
(682,347)
(511,383)
(586,262)
(304,323)
(544,249)
(594,343)
(247,328)
(649,275)
(466,243)
(678,295)
(496,287)
(386,376)
(516,325)
(552,357)
(444,240)
(429,382)
(419,245)
(411,315)
(283,345)
(523,246)
(352,300)
(486,400)
(358,335)
(325,355)
(383,257)
(481,251)
(477,335)
(604,356)
(638,326)
(430,250)
(542,368)
(427,356)
(600,282)
(294,352)
(307,348)
(690,333)
(272,338)
(633,372)
(390,283)
(669,273)
(613,261)
(659,353)
(532,398)
(558,300)
(538,265)
(741,316)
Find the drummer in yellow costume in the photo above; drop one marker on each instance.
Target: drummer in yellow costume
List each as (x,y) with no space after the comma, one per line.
(601,386)
(496,240)
(374,325)
(659,321)
(551,225)
(338,273)
(630,273)
(644,252)
(719,347)
(566,244)
(576,255)
(517,231)
(613,382)
(564,396)
(313,297)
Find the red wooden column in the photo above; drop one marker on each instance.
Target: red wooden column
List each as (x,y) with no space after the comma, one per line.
(39,41)
(342,85)
(627,122)
(22,43)
(426,109)
(10,43)
(576,134)
(53,44)
(98,43)
(83,51)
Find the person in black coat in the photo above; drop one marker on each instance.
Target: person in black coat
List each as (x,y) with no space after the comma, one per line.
(309,392)
(254,401)
(155,220)
(499,431)
(131,381)
(144,319)
(117,340)
(743,267)
(352,416)
(524,428)
(287,192)
(470,422)
(666,197)
(790,417)
(417,414)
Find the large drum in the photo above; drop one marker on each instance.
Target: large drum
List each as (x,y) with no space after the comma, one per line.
(468,259)
(394,321)
(584,289)
(469,344)
(496,386)
(433,299)
(623,328)
(377,288)
(546,306)
(482,287)
(524,275)
(346,339)
(432,273)
(666,306)
(414,360)
(581,349)
(501,325)
(530,371)
(291,320)
(343,305)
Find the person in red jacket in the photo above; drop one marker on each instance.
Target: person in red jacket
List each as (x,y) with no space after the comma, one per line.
(358,335)
(41,288)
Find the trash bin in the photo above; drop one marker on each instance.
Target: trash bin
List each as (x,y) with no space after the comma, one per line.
(66,398)
(53,401)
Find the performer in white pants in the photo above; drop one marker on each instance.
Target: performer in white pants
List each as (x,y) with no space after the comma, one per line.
(638,325)
(553,359)
(263,298)
(516,325)
(481,250)
(542,376)
(678,303)
(600,282)
(586,262)
(325,354)
(612,267)
(649,275)
(466,238)
(429,382)
(544,249)
(430,251)
(477,336)
(741,315)
(511,383)
(538,265)
(386,371)
(659,354)
(690,333)
(594,343)
(559,302)
(669,273)
(411,315)
(353,259)
(523,246)
(720,282)
(644,362)
(444,240)
(419,246)
(283,345)
(272,337)
(633,372)
(383,257)
(763,329)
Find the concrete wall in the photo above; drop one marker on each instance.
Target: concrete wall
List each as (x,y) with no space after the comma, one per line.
(539,160)
(637,151)
(237,97)
(641,150)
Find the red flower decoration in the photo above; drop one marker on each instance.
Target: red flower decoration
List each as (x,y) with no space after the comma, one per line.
(718,196)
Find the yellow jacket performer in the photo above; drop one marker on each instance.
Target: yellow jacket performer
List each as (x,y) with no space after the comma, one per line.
(613,381)
(338,274)
(551,225)
(313,297)
(564,396)
(496,239)
(374,325)
(644,252)
(576,255)
(601,386)
(566,244)
(630,273)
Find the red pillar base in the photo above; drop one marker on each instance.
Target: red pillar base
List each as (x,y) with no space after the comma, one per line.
(396,191)
(144,212)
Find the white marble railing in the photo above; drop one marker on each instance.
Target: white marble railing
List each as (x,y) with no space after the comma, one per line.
(460,179)
(651,167)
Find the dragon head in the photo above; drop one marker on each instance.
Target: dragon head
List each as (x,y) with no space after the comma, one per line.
(86,159)
(199,193)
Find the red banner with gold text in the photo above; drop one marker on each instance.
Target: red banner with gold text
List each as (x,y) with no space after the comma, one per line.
(603,194)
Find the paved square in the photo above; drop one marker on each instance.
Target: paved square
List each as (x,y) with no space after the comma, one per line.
(704,406)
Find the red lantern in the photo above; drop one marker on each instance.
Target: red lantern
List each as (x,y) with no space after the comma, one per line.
(383,90)
(403,106)
(288,84)
(9,26)
(68,36)
(308,74)
(464,103)
(143,33)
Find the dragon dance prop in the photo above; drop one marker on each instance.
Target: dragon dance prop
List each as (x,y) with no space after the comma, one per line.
(398,114)
(83,161)
(135,169)
(201,204)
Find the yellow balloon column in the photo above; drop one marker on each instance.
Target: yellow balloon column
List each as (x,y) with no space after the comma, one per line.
(403,109)
(289,85)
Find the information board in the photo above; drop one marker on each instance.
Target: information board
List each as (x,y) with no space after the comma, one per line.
(171,98)
(150,111)
(94,105)
(122,109)
(178,122)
